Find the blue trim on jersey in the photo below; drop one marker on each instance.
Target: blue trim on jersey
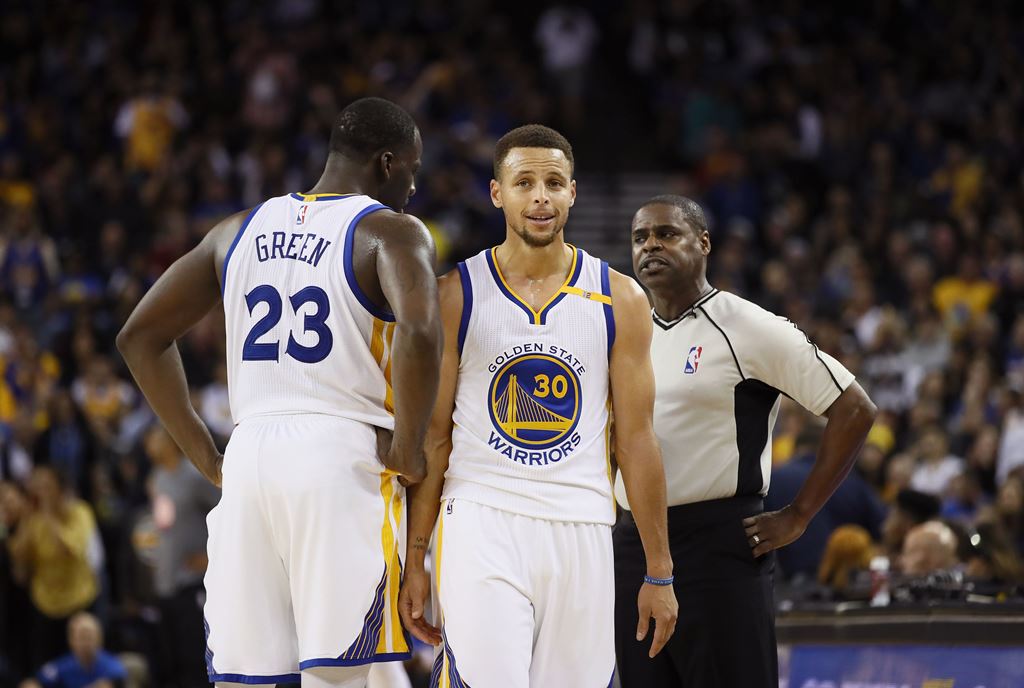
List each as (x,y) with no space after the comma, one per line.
(454,679)
(364,648)
(209,652)
(231,249)
(350,273)
(578,269)
(609,314)
(240,678)
(435,670)
(254,680)
(536,318)
(365,645)
(489,255)
(467,303)
(330,661)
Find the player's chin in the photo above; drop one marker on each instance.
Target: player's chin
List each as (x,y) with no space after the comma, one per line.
(539,237)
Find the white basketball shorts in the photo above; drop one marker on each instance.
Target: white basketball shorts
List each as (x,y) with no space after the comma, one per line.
(524,602)
(304,552)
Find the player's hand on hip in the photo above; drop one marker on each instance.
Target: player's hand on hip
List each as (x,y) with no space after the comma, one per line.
(659,602)
(773,529)
(384,438)
(212,468)
(411,469)
(411,602)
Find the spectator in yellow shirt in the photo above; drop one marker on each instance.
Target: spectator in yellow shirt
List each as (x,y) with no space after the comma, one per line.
(51,551)
(959,180)
(965,295)
(148,123)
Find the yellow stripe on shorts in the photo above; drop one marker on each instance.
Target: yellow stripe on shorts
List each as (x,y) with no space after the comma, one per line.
(391,639)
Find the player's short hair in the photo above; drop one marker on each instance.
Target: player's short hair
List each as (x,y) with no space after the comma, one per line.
(531,136)
(369,126)
(692,212)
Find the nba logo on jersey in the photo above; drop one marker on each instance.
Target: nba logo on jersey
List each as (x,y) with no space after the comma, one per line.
(301,217)
(693,360)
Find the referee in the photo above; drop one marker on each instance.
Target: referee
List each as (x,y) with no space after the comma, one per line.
(722,364)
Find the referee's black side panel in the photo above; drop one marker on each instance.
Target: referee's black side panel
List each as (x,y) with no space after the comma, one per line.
(754,403)
(725,635)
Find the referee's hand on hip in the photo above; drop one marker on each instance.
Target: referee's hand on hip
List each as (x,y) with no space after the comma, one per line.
(773,529)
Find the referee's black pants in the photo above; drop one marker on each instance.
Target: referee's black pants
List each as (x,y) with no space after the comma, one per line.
(725,636)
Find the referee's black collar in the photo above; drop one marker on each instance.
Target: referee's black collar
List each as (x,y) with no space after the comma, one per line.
(691,311)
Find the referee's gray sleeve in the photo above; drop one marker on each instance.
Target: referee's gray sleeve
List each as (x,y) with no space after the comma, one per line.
(776,352)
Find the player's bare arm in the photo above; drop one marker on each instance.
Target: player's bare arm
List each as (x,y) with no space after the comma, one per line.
(182,296)
(405,259)
(849,419)
(638,454)
(425,498)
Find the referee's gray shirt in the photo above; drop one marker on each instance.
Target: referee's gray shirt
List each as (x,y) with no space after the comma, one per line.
(720,371)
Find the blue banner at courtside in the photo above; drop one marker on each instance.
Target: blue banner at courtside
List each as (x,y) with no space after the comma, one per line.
(907,666)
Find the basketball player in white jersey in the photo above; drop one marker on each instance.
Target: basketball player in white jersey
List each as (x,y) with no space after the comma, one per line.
(333,340)
(542,342)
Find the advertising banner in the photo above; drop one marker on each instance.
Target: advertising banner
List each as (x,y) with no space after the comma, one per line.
(905,666)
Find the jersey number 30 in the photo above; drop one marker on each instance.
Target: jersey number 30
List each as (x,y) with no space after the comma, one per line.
(253,350)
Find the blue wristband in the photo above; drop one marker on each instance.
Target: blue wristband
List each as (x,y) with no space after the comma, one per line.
(659,581)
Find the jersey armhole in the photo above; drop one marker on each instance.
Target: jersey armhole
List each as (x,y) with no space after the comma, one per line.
(609,314)
(350,272)
(467,304)
(231,249)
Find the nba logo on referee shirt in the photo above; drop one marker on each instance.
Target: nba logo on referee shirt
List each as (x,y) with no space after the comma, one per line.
(301,217)
(693,360)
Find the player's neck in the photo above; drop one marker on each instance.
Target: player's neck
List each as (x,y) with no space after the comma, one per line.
(340,177)
(516,257)
(670,304)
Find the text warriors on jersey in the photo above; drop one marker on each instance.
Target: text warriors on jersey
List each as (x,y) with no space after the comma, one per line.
(534,399)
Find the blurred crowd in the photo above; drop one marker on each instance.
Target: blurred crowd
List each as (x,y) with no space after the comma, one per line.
(863,169)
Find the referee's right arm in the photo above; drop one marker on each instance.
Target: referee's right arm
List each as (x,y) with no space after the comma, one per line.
(776,352)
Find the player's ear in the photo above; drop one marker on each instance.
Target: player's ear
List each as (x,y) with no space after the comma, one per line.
(495,193)
(705,242)
(572,192)
(384,162)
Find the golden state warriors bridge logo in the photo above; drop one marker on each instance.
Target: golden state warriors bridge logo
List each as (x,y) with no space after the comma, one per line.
(534,402)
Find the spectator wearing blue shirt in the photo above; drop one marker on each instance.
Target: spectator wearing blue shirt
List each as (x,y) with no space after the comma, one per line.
(854,502)
(88,665)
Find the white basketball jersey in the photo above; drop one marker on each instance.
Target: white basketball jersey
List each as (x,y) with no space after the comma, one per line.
(301,336)
(531,409)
